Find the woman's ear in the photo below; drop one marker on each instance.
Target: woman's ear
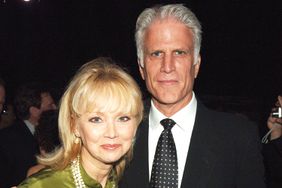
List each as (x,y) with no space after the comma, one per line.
(76,133)
(75,129)
(73,125)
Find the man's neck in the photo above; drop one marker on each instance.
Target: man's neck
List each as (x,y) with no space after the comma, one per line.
(169,109)
(33,121)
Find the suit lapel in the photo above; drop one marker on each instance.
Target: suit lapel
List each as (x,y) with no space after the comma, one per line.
(201,155)
(200,159)
(141,155)
(137,175)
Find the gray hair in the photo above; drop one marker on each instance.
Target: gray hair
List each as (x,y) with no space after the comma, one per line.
(176,11)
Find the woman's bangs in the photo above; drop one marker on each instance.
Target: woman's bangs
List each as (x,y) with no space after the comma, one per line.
(106,96)
(114,97)
(84,98)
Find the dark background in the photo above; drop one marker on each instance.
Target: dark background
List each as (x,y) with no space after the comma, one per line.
(241,49)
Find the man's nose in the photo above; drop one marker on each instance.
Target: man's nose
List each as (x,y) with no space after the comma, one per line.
(54,106)
(168,64)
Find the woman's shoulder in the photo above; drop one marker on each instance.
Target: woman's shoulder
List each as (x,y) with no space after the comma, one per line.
(48,177)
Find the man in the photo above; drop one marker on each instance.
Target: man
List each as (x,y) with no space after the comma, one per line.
(18,146)
(273,149)
(2,96)
(214,150)
(6,111)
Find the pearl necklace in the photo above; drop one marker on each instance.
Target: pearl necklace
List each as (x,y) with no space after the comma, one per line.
(79,183)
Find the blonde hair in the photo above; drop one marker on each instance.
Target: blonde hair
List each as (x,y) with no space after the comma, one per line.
(98,84)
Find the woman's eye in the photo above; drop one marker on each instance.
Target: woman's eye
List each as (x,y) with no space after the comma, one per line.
(124,118)
(95,120)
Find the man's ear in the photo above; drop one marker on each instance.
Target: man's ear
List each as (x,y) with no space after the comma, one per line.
(141,69)
(197,66)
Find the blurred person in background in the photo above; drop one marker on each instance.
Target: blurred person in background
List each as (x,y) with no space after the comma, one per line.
(18,145)
(2,95)
(7,115)
(273,148)
(47,136)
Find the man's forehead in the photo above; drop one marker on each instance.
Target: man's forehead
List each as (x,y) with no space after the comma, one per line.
(46,96)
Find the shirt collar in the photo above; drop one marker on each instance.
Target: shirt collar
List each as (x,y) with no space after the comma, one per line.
(183,117)
(30,126)
(186,116)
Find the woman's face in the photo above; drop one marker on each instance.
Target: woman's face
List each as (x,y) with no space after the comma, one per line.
(106,136)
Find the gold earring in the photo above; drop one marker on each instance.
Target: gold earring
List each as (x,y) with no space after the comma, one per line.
(77,140)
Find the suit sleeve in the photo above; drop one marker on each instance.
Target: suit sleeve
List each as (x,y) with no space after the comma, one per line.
(251,168)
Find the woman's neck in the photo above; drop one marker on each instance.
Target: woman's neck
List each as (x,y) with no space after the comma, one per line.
(96,169)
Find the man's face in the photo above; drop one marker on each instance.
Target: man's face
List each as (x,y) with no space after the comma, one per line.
(169,69)
(2,97)
(47,102)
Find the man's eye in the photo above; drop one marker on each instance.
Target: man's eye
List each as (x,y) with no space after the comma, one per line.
(180,52)
(156,54)
(124,118)
(95,120)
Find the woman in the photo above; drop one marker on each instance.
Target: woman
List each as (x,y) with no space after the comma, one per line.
(98,117)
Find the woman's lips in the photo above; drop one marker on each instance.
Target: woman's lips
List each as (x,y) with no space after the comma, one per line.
(110,146)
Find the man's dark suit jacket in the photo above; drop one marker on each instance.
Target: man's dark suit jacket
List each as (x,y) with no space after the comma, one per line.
(224,152)
(18,148)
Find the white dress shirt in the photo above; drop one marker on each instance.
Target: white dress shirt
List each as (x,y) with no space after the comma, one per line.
(181,132)
(30,126)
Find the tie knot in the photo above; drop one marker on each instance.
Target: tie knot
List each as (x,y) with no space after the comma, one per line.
(167,123)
